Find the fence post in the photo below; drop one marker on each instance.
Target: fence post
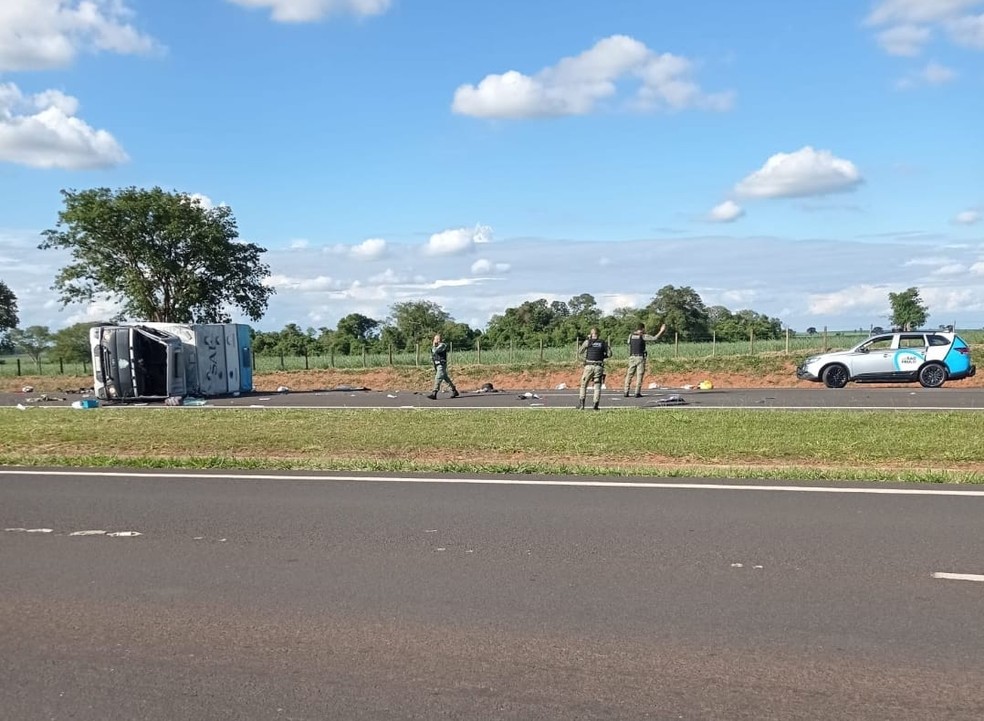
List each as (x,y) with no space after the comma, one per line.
(478,347)
(824,349)
(331,356)
(416,354)
(252,357)
(364,361)
(84,371)
(751,341)
(282,366)
(787,341)
(391,354)
(512,345)
(676,344)
(61,367)
(18,367)
(306,359)
(577,345)
(541,350)
(714,338)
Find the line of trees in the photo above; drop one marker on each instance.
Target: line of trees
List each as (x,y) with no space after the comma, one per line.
(553,323)
(166,256)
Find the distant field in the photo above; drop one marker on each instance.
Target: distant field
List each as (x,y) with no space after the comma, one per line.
(798,345)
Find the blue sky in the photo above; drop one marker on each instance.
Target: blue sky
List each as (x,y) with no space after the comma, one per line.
(799,159)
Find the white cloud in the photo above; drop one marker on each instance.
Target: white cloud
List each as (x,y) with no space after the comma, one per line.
(907,40)
(932,74)
(900,12)
(968,217)
(726,212)
(457,240)
(909,25)
(805,172)
(318,284)
(299,11)
(483,266)
(977,268)
(951,269)
(99,310)
(369,249)
(42,131)
(202,200)
(863,298)
(45,34)
(576,85)
(300,244)
(968,31)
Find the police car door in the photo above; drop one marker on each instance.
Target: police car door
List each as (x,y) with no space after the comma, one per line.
(874,358)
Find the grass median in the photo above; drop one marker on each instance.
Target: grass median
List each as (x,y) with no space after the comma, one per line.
(939,447)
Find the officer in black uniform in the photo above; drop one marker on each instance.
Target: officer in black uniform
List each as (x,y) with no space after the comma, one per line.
(595,351)
(637,357)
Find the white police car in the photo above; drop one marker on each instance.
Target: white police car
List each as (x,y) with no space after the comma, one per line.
(930,357)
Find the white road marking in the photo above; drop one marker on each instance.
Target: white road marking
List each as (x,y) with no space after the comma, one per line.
(960,577)
(562,407)
(87,533)
(640,485)
(124,534)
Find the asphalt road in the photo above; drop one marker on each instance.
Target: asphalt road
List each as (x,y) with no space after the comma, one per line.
(291,597)
(855,397)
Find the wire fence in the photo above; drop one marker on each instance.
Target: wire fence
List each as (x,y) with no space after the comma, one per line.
(498,355)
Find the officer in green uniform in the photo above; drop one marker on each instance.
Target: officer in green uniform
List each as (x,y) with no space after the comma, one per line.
(439,354)
(637,357)
(595,351)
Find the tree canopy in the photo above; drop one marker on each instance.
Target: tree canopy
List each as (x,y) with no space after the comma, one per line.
(163,255)
(33,341)
(8,308)
(908,310)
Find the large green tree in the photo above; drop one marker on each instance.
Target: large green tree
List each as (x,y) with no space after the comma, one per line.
(8,308)
(71,344)
(683,311)
(163,255)
(414,322)
(33,341)
(908,309)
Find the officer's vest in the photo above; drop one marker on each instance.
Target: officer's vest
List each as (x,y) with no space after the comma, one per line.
(440,357)
(637,345)
(596,351)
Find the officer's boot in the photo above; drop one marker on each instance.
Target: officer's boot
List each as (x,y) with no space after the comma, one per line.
(580,404)
(432,395)
(595,406)
(454,392)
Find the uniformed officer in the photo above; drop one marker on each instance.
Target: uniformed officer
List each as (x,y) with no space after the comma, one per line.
(595,351)
(439,354)
(637,357)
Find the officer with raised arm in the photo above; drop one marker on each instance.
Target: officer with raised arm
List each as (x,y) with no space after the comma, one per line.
(439,354)
(637,357)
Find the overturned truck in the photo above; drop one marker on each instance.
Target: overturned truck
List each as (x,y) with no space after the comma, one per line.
(152,361)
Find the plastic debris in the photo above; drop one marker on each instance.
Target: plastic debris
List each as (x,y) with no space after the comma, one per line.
(85,403)
(487,388)
(283,389)
(173,401)
(562,386)
(22,407)
(653,386)
(193,402)
(27,389)
(527,395)
(705,385)
(390,395)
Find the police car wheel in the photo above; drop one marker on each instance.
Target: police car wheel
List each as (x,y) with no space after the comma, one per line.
(932,375)
(835,376)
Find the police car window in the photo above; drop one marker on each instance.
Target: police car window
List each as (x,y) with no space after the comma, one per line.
(939,340)
(912,341)
(879,344)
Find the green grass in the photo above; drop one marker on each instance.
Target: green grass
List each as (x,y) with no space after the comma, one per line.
(876,445)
